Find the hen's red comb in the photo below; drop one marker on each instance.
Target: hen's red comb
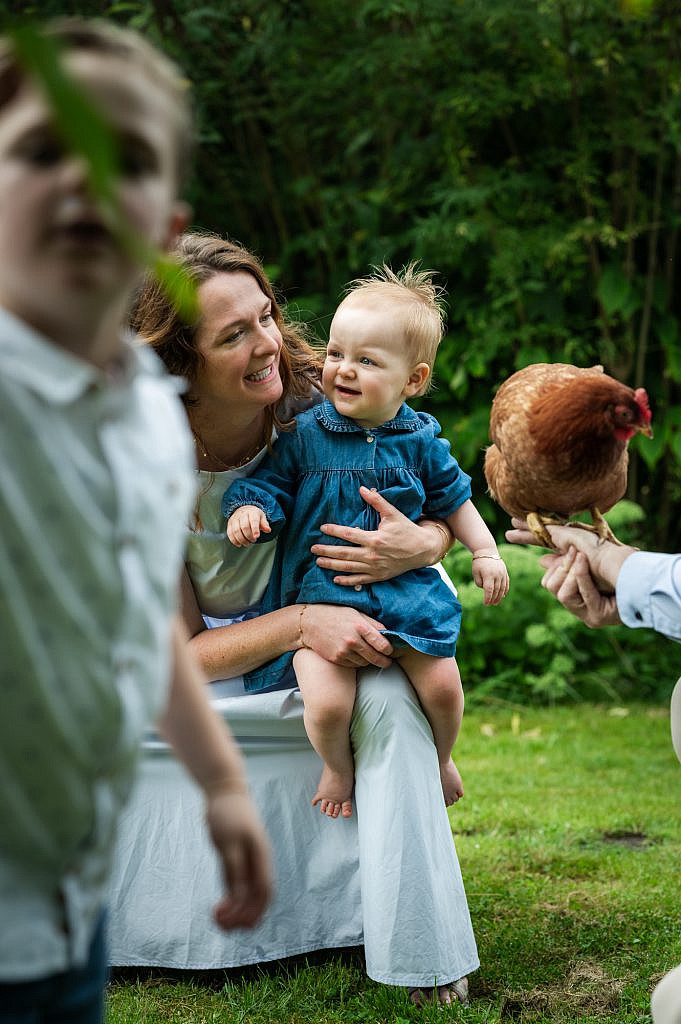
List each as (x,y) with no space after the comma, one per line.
(641,399)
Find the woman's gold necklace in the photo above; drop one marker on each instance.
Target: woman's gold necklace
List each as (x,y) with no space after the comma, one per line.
(206,454)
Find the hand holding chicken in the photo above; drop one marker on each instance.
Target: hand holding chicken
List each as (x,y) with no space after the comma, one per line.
(560,436)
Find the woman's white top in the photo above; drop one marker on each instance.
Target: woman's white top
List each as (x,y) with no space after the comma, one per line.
(227,580)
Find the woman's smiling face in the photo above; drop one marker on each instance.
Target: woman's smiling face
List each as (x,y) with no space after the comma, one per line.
(239,342)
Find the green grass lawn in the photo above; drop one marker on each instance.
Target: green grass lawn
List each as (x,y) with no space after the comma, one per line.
(569,838)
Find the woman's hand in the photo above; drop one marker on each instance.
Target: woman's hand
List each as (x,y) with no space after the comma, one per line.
(375,555)
(344,636)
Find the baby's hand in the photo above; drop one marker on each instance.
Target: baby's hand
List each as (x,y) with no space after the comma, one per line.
(490,573)
(244,525)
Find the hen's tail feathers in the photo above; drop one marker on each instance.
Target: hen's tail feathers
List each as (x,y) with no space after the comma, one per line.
(491,470)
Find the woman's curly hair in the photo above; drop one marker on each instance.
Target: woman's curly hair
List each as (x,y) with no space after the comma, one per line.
(203,255)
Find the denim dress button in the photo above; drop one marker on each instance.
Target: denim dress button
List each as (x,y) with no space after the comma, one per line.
(369,439)
(358,586)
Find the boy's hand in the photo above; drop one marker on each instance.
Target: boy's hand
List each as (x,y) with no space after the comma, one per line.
(241,844)
(491,575)
(245,525)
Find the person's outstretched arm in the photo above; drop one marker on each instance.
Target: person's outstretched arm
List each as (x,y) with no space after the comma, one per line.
(603,583)
(203,742)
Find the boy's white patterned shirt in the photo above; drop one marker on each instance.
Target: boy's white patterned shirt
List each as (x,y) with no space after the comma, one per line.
(96,485)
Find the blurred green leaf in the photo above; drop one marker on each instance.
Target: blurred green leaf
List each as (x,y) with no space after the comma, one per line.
(676,444)
(614,289)
(651,449)
(82,128)
(637,8)
(87,134)
(625,513)
(178,286)
(537,635)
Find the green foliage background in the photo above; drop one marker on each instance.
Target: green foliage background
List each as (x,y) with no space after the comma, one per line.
(528,150)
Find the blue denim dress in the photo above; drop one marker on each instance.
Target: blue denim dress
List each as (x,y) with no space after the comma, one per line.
(312,477)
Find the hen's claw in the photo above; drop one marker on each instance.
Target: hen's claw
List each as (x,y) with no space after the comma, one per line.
(538,523)
(600,528)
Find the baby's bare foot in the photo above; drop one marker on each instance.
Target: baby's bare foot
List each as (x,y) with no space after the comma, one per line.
(334,793)
(452,786)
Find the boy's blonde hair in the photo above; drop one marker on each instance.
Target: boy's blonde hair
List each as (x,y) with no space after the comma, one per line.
(413,298)
(103,37)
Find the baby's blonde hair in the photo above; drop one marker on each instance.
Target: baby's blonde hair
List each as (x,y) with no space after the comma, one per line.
(412,296)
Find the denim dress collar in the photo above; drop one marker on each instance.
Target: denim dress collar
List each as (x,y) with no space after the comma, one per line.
(405,420)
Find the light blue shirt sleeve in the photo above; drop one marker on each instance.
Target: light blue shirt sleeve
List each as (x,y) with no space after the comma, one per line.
(648,592)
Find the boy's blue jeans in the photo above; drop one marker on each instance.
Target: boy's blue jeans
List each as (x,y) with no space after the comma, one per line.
(74,997)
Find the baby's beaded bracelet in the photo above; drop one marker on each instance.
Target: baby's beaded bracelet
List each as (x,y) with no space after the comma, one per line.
(487,553)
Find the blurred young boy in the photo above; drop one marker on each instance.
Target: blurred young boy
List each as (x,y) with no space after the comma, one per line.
(90,431)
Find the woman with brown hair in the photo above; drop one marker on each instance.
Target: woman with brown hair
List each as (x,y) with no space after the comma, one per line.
(387,877)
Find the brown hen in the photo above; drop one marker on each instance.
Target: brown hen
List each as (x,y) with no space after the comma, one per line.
(560,436)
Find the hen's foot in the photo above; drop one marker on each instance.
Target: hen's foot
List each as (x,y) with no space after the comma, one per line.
(599,526)
(334,793)
(537,523)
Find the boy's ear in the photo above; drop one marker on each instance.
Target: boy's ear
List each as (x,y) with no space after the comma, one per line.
(417,379)
(179,219)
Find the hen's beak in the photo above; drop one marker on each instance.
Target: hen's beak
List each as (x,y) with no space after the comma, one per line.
(645,429)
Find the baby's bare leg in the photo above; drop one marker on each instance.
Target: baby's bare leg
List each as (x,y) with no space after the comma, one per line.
(329,696)
(438,685)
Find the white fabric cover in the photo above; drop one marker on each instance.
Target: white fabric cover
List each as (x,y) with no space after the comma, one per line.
(407,903)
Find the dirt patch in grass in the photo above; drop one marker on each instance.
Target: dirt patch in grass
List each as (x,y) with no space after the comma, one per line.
(586,989)
(633,840)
